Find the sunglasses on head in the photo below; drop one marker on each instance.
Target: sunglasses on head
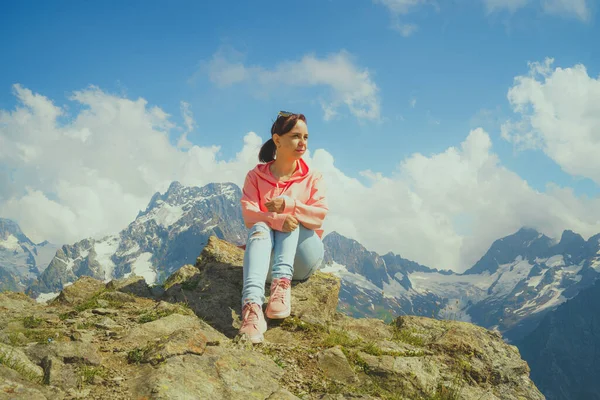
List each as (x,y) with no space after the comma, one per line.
(285,114)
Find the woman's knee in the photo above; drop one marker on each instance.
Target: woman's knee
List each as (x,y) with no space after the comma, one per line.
(260,230)
(309,258)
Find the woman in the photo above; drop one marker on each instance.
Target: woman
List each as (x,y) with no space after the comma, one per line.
(283,204)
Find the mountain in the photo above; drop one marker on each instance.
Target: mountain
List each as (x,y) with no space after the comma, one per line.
(564,350)
(21,260)
(169,233)
(528,275)
(510,289)
(114,340)
(376,286)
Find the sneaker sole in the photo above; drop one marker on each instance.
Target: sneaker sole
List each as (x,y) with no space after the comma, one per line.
(256,339)
(282,315)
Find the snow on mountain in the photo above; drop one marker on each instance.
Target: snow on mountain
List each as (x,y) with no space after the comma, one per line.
(521,277)
(168,234)
(21,260)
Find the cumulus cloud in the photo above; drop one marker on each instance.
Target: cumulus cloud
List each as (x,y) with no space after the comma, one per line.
(346,83)
(558,111)
(398,9)
(574,8)
(91,175)
(444,210)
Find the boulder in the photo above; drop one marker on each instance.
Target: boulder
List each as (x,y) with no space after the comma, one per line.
(213,289)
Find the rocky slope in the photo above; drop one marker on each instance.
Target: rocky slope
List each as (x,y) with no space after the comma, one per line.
(122,340)
(21,260)
(171,232)
(564,350)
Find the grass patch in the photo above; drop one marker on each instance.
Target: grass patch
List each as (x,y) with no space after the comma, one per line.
(355,359)
(43,336)
(154,315)
(340,338)
(451,392)
(295,324)
(14,339)
(67,315)
(136,355)
(19,367)
(92,302)
(32,321)
(87,373)
(409,336)
(85,325)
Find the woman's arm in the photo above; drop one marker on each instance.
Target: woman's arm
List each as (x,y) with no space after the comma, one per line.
(312,213)
(250,206)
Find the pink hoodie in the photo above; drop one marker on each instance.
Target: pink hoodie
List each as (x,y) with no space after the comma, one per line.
(303,192)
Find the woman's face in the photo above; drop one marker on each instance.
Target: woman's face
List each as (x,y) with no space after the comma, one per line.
(292,145)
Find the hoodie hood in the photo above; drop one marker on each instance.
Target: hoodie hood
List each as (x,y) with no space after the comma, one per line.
(264,172)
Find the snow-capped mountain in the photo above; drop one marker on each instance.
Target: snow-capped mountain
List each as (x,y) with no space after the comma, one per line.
(21,260)
(171,232)
(520,279)
(562,351)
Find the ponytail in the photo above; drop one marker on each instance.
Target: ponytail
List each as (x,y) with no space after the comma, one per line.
(267,151)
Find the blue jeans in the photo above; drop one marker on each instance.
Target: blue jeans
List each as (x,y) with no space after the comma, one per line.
(275,254)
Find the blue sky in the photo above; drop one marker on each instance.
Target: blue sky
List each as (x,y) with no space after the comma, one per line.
(425,88)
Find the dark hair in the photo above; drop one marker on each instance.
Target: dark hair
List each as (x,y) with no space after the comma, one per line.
(281,126)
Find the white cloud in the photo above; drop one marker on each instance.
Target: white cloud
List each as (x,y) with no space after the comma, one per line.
(510,5)
(413,102)
(573,8)
(558,111)
(405,30)
(347,83)
(401,6)
(91,176)
(190,124)
(445,210)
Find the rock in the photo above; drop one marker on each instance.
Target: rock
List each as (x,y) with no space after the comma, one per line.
(335,366)
(215,295)
(103,303)
(81,290)
(15,301)
(180,342)
(117,297)
(188,274)
(135,285)
(315,300)
(104,311)
(57,373)
(282,394)
(67,352)
(140,335)
(13,387)
(108,324)
(15,358)
(221,373)
(162,350)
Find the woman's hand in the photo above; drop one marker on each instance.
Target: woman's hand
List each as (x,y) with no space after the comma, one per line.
(289,224)
(276,205)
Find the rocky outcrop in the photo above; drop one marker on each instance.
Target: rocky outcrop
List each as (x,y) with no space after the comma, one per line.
(122,340)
